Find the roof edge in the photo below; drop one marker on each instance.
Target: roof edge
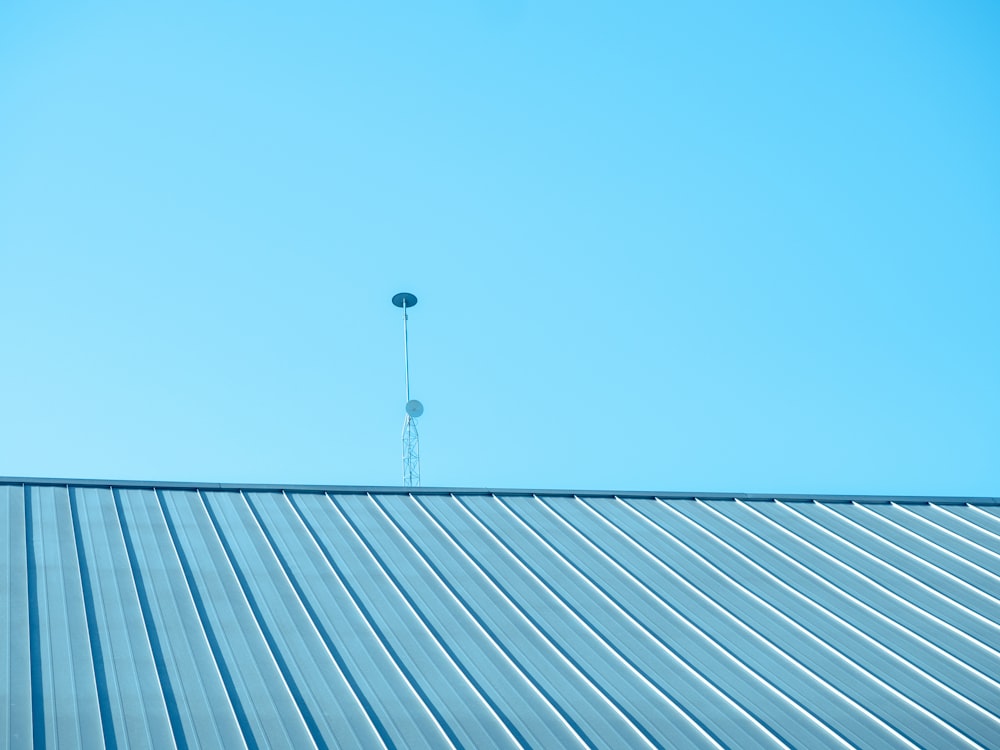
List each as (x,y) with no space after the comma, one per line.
(396,490)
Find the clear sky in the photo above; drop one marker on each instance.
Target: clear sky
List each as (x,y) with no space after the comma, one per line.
(748,247)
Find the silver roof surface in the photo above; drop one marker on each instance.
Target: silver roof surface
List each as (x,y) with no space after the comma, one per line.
(179,615)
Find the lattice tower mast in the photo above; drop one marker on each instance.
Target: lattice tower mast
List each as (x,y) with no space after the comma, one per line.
(413,409)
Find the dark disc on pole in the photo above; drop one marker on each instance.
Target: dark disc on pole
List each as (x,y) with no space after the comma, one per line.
(404,299)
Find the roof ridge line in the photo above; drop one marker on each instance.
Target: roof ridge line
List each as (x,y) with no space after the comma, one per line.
(396,490)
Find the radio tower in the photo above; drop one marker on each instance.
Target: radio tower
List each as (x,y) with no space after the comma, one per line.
(411,439)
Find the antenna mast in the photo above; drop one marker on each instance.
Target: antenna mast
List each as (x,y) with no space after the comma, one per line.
(411,439)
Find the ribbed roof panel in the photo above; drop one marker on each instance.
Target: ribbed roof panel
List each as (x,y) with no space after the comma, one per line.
(177,616)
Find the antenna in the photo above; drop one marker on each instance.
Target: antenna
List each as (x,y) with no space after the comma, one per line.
(411,439)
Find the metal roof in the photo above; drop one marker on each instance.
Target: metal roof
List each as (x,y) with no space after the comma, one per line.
(186,615)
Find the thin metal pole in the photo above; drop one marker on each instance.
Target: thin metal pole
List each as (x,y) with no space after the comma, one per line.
(406,353)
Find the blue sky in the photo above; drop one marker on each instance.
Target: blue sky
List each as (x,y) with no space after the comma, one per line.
(748,247)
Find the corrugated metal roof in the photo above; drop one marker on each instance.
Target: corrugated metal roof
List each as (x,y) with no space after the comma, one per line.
(219,616)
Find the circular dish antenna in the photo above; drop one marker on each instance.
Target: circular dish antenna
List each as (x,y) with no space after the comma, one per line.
(404,299)
(414,408)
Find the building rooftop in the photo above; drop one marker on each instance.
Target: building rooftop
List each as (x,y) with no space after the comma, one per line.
(216,615)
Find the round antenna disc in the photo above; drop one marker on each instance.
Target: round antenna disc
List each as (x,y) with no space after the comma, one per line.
(413,407)
(404,299)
